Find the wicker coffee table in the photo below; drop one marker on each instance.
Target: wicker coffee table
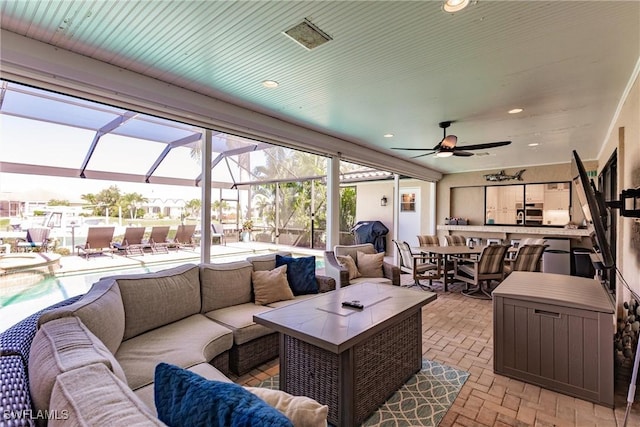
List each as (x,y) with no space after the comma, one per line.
(350,359)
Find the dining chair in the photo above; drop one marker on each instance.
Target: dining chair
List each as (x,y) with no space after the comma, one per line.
(420,266)
(428,240)
(455,240)
(527,259)
(488,267)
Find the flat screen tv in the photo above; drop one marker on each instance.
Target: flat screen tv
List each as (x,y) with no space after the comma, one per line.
(594,209)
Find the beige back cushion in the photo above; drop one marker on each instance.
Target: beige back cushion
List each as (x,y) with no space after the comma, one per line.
(225,284)
(59,346)
(301,410)
(350,263)
(101,310)
(266,262)
(93,396)
(352,250)
(370,265)
(271,285)
(156,299)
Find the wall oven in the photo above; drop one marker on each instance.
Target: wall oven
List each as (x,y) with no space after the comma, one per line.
(532,213)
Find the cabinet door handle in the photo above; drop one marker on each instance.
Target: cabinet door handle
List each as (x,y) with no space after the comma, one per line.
(547,313)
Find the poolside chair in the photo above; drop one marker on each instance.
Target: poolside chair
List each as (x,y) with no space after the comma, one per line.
(158,242)
(99,241)
(131,242)
(184,237)
(37,240)
(217,231)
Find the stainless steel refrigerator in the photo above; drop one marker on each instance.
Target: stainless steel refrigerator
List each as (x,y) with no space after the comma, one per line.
(557,257)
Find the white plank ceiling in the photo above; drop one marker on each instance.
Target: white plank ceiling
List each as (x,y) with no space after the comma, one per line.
(395,67)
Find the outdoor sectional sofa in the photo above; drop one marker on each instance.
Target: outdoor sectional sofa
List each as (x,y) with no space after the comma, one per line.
(82,352)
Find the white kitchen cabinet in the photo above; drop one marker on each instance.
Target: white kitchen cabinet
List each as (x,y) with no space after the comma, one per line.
(534,193)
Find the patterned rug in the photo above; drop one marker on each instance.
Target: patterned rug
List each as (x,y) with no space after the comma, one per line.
(422,401)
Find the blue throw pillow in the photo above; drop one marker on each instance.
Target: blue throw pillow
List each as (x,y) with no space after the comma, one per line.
(301,273)
(184,398)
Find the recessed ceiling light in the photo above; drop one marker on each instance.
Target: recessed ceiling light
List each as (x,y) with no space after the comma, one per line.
(388,135)
(516,111)
(452,6)
(534,144)
(270,84)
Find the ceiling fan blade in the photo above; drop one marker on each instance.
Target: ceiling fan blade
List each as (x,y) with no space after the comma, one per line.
(422,155)
(485,146)
(461,153)
(413,149)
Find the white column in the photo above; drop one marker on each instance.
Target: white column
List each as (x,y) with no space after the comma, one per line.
(333,202)
(205,213)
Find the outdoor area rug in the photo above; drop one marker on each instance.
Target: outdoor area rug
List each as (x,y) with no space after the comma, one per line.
(422,401)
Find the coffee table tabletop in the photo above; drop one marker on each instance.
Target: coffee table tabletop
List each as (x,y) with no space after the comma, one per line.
(324,322)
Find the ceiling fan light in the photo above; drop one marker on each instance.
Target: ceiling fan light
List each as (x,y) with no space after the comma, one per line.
(453,6)
(444,153)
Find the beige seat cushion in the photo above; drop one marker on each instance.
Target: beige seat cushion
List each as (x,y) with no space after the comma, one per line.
(239,318)
(101,310)
(291,301)
(156,299)
(271,286)
(92,396)
(59,346)
(302,411)
(350,263)
(381,280)
(225,284)
(370,265)
(184,343)
(146,395)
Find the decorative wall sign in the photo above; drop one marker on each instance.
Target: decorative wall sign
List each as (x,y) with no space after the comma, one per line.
(501,176)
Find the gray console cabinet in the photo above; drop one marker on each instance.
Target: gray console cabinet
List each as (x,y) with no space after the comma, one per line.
(555,331)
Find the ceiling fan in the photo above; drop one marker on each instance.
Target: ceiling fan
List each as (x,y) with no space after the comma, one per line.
(447,147)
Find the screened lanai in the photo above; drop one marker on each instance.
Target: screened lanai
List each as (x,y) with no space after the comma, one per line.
(78,147)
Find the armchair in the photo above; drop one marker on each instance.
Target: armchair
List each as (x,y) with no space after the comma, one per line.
(339,271)
(419,266)
(488,267)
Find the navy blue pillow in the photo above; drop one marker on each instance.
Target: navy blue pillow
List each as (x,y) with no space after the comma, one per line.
(301,273)
(184,398)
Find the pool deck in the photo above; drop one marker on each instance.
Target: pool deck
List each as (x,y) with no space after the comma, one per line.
(74,264)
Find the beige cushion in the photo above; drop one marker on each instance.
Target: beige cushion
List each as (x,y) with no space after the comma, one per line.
(301,410)
(203,369)
(225,284)
(380,280)
(101,310)
(347,261)
(92,396)
(266,262)
(291,301)
(370,265)
(352,250)
(184,343)
(156,299)
(239,318)
(271,285)
(62,345)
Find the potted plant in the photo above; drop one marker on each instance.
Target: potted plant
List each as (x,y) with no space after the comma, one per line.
(247,226)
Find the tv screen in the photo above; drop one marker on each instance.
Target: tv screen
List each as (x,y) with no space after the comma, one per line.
(593,207)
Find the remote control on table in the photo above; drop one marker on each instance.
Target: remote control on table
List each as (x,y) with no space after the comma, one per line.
(353,304)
